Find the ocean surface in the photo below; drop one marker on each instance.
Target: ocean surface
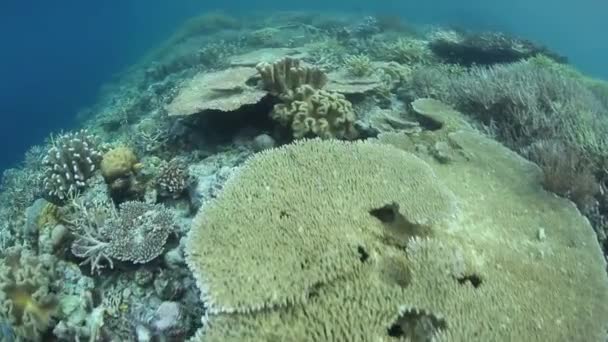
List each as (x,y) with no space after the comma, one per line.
(56,55)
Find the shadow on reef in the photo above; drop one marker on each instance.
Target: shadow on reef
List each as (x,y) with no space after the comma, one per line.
(217,128)
(487,49)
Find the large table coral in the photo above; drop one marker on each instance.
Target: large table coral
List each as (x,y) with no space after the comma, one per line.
(326,240)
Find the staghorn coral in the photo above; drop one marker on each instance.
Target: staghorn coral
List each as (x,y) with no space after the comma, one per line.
(136,233)
(26,300)
(316,112)
(69,163)
(284,76)
(172,179)
(376,249)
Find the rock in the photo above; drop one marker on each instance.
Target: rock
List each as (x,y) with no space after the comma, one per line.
(167,317)
(58,235)
(263,142)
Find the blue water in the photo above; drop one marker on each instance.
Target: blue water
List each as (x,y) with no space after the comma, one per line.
(56,54)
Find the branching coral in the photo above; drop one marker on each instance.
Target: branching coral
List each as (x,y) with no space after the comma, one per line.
(137,233)
(70,161)
(358,65)
(407,51)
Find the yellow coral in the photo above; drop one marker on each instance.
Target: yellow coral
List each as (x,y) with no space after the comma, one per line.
(119,162)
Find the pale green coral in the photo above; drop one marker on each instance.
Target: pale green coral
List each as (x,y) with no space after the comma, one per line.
(375,247)
(407,51)
(315,201)
(358,65)
(315,112)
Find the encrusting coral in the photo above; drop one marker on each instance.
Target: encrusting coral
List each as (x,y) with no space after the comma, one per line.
(69,163)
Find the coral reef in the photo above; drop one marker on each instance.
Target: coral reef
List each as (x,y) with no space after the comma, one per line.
(334,240)
(420,229)
(69,163)
(406,51)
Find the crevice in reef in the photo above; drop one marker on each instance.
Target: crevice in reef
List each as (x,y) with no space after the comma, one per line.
(399,230)
(472,279)
(363,254)
(416,326)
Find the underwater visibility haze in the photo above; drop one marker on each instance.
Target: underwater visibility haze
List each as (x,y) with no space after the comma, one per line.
(344,171)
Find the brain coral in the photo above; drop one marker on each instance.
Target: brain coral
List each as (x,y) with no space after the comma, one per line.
(362,241)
